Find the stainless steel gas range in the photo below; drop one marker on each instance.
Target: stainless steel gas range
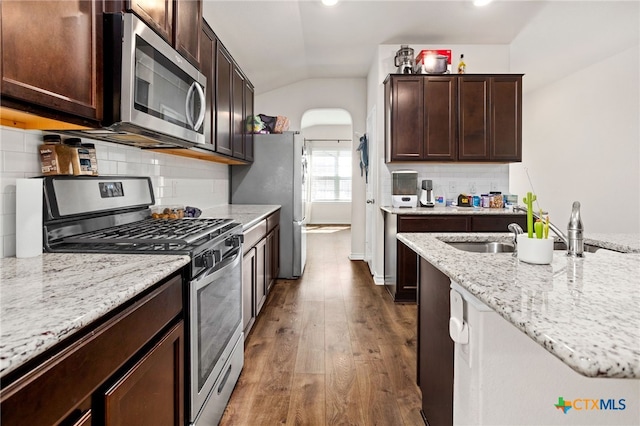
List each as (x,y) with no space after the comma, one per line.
(111,214)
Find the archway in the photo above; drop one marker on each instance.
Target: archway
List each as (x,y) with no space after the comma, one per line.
(328,134)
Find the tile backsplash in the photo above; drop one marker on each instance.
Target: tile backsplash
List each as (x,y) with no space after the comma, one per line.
(451,179)
(176,180)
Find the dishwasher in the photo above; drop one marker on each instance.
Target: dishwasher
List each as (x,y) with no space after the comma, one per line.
(503,377)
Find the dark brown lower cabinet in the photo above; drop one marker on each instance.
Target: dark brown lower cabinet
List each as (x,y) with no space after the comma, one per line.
(248,280)
(260,267)
(127,367)
(435,347)
(403,286)
(273,234)
(152,389)
(261,274)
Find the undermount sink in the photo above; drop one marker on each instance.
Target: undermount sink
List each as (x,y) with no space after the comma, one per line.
(559,245)
(498,247)
(483,246)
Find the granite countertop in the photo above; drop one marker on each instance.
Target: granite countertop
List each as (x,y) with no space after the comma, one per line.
(585,311)
(47,298)
(247,214)
(446,210)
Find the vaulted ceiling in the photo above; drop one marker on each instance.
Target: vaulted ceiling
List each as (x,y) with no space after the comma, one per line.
(281,42)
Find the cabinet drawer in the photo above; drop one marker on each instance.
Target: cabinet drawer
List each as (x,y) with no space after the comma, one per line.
(253,235)
(273,220)
(496,223)
(433,224)
(69,376)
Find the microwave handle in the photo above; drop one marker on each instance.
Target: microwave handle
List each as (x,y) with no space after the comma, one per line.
(195,88)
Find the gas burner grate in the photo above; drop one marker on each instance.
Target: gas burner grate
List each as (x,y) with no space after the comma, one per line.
(161,234)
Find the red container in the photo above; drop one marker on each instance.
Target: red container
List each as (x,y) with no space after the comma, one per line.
(427,67)
(420,57)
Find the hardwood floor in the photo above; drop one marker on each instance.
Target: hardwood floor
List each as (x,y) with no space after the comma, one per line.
(329,348)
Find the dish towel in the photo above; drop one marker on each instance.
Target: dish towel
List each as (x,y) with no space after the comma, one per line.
(364,157)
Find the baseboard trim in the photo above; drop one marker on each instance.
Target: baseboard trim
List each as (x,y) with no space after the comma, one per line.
(356,256)
(378,279)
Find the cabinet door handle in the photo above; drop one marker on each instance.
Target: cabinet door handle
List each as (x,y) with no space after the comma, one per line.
(224,380)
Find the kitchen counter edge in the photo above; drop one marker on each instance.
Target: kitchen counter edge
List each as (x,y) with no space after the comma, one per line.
(425,211)
(246,214)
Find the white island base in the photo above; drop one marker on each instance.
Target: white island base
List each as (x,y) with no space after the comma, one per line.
(502,377)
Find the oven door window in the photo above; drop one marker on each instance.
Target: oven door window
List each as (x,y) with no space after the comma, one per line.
(163,90)
(219,312)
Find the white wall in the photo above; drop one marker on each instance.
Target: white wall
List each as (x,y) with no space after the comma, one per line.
(339,136)
(346,93)
(581,133)
(176,180)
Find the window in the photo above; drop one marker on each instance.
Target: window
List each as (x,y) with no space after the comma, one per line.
(330,174)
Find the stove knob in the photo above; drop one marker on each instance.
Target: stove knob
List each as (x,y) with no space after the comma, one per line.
(234,241)
(206,260)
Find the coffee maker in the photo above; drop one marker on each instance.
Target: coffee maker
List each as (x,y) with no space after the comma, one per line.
(404,60)
(426,194)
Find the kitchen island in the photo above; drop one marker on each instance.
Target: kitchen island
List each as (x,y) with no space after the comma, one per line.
(584,312)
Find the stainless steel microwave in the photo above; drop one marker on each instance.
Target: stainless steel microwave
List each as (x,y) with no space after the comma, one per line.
(153,97)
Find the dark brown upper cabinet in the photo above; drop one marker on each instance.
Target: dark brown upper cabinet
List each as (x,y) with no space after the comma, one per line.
(188,25)
(157,14)
(506,118)
(453,118)
(208,53)
(229,101)
(177,21)
(224,101)
(490,118)
(238,113)
(248,114)
(52,59)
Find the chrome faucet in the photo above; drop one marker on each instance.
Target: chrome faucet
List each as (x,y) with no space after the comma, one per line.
(575,246)
(574,240)
(517,230)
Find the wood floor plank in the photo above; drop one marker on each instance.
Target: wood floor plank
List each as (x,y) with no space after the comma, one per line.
(401,366)
(330,348)
(307,406)
(378,403)
(344,404)
(310,356)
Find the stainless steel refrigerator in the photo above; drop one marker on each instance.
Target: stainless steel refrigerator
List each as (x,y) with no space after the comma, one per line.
(278,175)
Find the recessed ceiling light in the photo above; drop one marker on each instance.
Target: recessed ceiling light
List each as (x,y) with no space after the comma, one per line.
(329,2)
(481,3)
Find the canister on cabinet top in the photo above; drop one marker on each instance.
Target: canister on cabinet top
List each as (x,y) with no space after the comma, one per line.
(486,200)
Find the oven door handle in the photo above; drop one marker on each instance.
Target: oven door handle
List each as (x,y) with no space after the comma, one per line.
(210,276)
